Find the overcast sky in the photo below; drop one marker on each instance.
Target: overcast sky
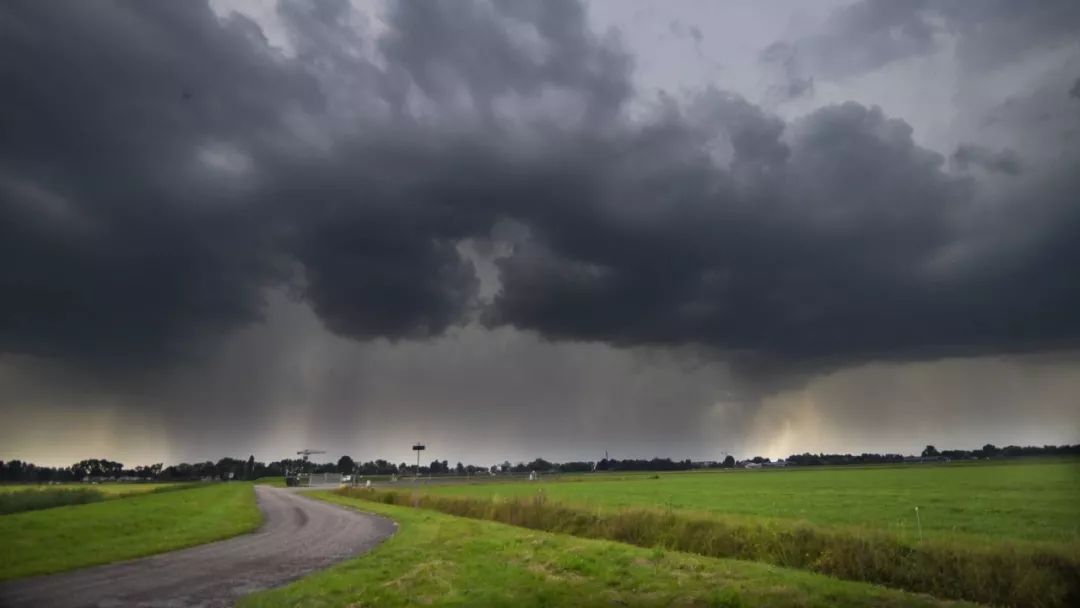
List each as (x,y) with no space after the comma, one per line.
(520,229)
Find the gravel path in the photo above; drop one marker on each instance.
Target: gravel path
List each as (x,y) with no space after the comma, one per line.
(299,535)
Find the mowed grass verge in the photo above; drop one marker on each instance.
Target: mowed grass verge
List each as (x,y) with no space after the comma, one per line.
(63,538)
(1009,573)
(441,560)
(1031,500)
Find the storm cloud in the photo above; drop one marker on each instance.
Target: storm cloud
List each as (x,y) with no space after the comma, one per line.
(162,167)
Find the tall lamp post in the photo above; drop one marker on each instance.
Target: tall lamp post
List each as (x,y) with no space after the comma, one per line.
(418,447)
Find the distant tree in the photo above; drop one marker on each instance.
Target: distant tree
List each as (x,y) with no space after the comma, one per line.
(205,469)
(345,465)
(229,468)
(930,452)
(729,462)
(989,450)
(1012,451)
(249,472)
(459,469)
(539,465)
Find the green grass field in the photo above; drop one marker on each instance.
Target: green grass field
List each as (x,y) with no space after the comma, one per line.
(62,538)
(1001,533)
(1034,501)
(441,560)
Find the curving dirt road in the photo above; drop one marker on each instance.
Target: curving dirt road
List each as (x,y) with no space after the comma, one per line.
(299,535)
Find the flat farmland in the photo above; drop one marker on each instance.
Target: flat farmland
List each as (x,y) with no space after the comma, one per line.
(118,489)
(16,498)
(1028,501)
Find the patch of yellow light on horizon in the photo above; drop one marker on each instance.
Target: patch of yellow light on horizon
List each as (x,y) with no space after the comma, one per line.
(60,436)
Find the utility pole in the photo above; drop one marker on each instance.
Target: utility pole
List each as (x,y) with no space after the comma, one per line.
(418,447)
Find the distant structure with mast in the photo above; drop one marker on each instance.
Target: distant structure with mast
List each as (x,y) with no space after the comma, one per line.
(300,476)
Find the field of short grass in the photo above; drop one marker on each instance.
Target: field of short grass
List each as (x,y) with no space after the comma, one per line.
(1033,501)
(441,560)
(62,538)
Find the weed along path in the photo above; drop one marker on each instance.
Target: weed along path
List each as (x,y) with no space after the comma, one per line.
(298,536)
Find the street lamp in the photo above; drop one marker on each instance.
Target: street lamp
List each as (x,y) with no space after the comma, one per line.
(418,447)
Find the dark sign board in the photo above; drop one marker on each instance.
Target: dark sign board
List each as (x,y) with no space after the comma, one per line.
(418,447)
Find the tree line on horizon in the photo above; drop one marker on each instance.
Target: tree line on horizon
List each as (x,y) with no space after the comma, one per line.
(96,469)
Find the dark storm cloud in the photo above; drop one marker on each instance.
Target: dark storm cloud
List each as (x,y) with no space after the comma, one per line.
(450,48)
(114,242)
(811,250)
(995,161)
(161,168)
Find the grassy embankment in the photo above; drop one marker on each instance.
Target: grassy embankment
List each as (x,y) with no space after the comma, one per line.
(947,563)
(63,538)
(16,498)
(440,560)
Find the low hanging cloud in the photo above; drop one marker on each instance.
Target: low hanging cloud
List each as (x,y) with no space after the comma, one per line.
(1004,161)
(867,35)
(782,58)
(161,168)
